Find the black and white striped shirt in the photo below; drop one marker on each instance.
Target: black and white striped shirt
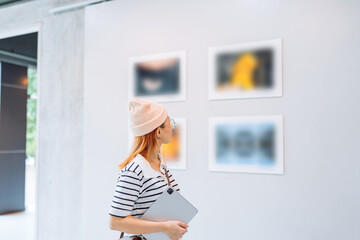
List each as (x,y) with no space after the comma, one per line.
(138,186)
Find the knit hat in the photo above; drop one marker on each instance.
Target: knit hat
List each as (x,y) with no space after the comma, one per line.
(145,116)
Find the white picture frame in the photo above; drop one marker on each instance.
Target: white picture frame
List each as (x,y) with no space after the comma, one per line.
(237,83)
(176,91)
(260,139)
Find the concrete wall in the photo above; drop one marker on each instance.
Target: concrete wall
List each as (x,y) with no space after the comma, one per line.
(317,197)
(60,112)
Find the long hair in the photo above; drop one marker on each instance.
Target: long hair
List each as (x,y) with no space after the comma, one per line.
(146,145)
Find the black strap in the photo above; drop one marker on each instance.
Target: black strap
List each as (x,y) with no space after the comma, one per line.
(167,176)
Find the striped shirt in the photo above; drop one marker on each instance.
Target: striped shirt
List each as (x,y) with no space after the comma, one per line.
(138,186)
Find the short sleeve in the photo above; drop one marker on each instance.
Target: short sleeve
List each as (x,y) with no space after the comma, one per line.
(126,193)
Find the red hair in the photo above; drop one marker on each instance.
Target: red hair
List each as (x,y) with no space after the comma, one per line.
(145,145)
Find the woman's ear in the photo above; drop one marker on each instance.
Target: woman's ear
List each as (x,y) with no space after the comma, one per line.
(158,133)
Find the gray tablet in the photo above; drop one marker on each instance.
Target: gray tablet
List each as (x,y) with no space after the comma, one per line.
(169,206)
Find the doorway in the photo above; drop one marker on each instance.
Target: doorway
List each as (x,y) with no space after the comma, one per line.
(19,134)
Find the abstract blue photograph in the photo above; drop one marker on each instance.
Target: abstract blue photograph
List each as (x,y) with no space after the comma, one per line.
(246,144)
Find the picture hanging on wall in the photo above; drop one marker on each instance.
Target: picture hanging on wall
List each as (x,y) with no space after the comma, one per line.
(246,70)
(174,153)
(246,144)
(159,77)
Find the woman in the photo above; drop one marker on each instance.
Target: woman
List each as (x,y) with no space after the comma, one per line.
(143,176)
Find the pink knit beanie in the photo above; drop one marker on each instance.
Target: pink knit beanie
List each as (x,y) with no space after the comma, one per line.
(145,116)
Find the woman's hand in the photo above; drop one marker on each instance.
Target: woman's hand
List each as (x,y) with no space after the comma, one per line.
(175,229)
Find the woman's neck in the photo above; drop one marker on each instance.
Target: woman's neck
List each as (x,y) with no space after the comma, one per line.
(153,158)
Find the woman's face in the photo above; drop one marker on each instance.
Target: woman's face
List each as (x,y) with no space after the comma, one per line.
(166,132)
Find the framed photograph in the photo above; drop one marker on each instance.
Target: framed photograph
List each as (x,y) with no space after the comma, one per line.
(174,153)
(246,144)
(246,70)
(159,77)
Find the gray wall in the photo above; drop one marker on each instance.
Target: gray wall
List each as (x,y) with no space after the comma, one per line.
(318,196)
(61,113)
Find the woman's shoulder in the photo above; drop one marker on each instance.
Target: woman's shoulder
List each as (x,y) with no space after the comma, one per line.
(133,168)
(142,167)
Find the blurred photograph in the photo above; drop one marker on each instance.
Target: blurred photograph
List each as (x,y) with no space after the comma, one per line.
(158,78)
(246,144)
(174,153)
(249,70)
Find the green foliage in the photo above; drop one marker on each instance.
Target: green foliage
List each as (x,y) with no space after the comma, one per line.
(31,113)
